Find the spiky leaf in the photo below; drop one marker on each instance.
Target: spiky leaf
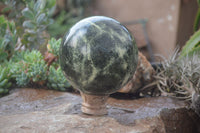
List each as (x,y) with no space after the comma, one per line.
(191,44)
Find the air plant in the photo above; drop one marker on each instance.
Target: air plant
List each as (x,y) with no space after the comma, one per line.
(180,78)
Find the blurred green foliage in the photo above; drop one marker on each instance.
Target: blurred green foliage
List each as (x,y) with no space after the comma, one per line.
(8,38)
(35,20)
(62,23)
(31,18)
(74,11)
(26,26)
(5,80)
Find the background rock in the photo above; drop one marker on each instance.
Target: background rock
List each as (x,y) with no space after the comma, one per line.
(143,76)
(35,110)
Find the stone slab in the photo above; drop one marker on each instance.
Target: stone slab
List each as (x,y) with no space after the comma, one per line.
(47,111)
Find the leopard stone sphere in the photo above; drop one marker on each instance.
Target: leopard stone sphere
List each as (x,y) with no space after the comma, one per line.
(98,55)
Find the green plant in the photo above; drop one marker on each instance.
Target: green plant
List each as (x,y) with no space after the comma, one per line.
(31,18)
(197,19)
(57,80)
(192,46)
(52,53)
(33,56)
(5,80)
(74,11)
(54,46)
(37,72)
(28,31)
(22,79)
(8,39)
(37,19)
(18,56)
(63,22)
(31,68)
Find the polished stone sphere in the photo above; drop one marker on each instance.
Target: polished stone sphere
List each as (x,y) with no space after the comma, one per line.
(98,55)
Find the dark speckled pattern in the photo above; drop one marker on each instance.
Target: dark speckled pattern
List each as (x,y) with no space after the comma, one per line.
(98,55)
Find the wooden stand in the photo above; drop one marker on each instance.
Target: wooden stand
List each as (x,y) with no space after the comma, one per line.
(93,104)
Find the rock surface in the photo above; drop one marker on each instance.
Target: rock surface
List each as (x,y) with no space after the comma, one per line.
(46,111)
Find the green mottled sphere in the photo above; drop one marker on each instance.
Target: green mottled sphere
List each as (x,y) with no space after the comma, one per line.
(98,55)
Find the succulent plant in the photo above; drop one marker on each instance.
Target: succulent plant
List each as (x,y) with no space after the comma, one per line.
(22,79)
(30,69)
(5,82)
(33,56)
(51,56)
(57,80)
(54,46)
(19,73)
(38,71)
(18,56)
